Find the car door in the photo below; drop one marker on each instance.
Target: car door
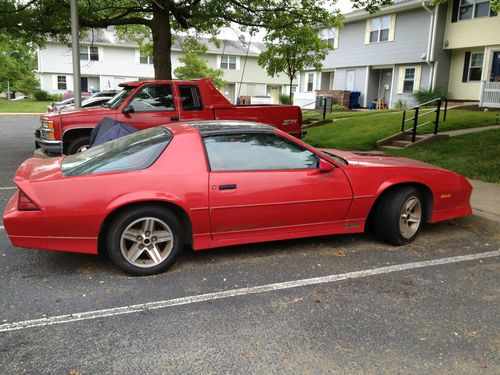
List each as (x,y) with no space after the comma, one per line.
(191,103)
(151,105)
(265,184)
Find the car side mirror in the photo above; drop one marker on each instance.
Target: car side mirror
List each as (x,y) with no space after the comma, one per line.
(325,167)
(129,108)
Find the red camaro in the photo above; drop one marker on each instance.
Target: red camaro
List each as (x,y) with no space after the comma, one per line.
(144,196)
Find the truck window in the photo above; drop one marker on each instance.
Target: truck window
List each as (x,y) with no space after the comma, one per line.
(190,98)
(153,98)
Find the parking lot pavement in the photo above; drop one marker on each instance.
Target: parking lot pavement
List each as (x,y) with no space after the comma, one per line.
(438,318)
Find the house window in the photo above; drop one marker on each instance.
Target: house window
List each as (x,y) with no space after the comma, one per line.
(409,80)
(328,35)
(144,58)
(476,66)
(310,82)
(61,83)
(228,62)
(379,29)
(89,53)
(469,9)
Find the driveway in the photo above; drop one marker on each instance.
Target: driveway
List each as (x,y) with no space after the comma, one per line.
(336,304)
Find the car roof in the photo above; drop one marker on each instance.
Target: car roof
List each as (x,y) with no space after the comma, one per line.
(213,127)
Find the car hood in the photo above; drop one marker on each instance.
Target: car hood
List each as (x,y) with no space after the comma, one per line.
(377,159)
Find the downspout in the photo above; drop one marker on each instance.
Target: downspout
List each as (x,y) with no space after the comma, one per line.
(430,43)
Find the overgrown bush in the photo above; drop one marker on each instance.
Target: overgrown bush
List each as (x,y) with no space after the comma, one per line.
(55,97)
(41,95)
(423,96)
(285,99)
(338,107)
(401,104)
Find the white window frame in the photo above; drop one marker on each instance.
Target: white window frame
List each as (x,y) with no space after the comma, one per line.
(330,36)
(475,67)
(380,29)
(148,59)
(63,81)
(409,80)
(87,53)
(228,63)
(473,5)
(307,82)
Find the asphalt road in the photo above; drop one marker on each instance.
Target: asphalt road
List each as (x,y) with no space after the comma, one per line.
(434,319)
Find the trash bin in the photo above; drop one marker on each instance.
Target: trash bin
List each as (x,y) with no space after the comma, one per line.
(354,99)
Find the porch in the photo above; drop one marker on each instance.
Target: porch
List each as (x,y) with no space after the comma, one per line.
(490,94)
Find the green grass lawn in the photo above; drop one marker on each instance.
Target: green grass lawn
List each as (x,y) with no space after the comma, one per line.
(23,106)
(362,131)
(475,155)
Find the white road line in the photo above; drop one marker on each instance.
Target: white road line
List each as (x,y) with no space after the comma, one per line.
(8,187)
(237,292)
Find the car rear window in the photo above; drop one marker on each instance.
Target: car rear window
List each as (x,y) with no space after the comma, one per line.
(132,152)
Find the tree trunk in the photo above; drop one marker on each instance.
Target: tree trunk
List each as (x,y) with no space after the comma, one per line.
(291,80)
(162,40)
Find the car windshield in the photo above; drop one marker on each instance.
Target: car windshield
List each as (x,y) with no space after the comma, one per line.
(119,98)
(132,152)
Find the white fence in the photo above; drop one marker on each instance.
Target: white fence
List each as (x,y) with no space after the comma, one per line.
(490,94)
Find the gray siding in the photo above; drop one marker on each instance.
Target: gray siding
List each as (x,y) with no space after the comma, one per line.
(442,56)
(409,98)
(410,43)
(359,80)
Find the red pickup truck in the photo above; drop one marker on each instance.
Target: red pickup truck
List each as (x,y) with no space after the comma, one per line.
(150,103)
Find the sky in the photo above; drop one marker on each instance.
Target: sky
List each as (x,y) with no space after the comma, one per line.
(233,33)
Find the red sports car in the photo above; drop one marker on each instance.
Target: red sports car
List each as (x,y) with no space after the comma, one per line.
(143,197)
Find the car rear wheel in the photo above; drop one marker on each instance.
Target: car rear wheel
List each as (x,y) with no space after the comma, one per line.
(77,145)
(400,216)
(145,240)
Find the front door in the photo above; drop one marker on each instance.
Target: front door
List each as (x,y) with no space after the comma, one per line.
(495,67)
(264,184)
(350,77)
(385,82)
(274,93)
(150,106)
(84,84)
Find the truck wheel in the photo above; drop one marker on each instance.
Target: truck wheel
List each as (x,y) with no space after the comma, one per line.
(400,216)
(145,240)
(77,145)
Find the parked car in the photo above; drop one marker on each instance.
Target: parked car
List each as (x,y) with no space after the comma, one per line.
(87,101)
(70,94)
(146,104)
(91,102)
(142,197)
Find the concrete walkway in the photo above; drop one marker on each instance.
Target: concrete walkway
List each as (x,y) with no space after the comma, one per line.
(456,133)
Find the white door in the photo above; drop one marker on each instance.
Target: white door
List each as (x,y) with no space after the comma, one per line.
(349,81)
(274,93)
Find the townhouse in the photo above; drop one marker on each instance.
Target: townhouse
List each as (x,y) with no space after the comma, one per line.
(106,61)
(385,56)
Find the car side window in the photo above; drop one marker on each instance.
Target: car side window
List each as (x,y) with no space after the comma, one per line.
(153,98)
(190,98)
(256,152)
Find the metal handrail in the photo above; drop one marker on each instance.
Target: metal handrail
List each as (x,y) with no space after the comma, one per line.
(438,102)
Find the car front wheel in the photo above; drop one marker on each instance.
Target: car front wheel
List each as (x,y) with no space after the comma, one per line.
(400,216)
(145,240)
(78,145)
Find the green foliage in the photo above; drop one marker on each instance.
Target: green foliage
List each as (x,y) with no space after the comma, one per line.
(401,104)
(285,99)
(194,66)
(41,95)
(153,23)
(17,62)
(423,96)
(338,107)
(55,97)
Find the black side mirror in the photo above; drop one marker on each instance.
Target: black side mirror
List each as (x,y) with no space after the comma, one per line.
(129,108)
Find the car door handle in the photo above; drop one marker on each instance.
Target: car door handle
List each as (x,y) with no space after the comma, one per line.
(174,118)
(227,187)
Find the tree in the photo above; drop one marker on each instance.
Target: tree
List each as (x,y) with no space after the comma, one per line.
(17,62)
(293,49)
(40,19)
(195,66)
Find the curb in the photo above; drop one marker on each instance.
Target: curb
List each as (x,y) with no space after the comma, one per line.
(485,221)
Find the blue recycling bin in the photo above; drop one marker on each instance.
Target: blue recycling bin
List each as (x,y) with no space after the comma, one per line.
(354,99)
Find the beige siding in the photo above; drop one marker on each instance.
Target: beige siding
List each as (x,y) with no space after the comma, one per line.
(476,32)
(458,89)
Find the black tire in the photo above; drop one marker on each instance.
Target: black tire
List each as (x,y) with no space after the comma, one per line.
(117,246)
(77,144)
(390,224)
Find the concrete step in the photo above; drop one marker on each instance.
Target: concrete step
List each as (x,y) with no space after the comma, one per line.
(408,137)
(401,144)
(390,148)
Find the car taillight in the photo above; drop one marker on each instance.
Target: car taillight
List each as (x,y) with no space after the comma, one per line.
(24,203)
